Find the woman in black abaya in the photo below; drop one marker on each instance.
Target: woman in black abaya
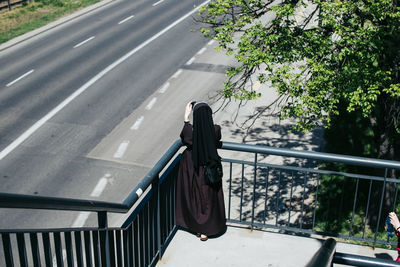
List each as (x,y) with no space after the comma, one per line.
(199,207)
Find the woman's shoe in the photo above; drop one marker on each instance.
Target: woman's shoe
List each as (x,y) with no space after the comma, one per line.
(203,237)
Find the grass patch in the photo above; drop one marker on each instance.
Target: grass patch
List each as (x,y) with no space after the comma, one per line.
(27,17)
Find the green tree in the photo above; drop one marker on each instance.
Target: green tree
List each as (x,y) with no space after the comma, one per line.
(319,55)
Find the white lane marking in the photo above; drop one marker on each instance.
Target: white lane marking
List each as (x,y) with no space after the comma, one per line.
(151,103)
(83,88)
(164,88)
(211,42)
(121,149)
(20,78)
(125,20)
(177,73)
(84,42)
(202,51)
(159,2)
(101,185)
(81,219)
(137,123)
(191,61)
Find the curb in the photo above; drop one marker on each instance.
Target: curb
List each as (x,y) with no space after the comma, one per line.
(51,25)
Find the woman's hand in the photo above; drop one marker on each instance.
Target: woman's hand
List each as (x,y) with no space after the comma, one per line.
(187,111)
(394,220)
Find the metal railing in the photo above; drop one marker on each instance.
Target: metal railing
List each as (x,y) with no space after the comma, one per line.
(285,192)
(306,192)
(8,4)
(326,255)
(140,241)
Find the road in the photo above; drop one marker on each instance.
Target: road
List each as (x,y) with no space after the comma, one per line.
(88,107)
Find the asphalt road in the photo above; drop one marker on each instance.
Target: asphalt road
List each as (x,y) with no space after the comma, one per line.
(88,107)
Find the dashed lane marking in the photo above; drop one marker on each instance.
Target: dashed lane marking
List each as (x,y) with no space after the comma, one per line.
(20,78)
(125,20)
(137,123)
(84,42)
(151,103)
(121,149)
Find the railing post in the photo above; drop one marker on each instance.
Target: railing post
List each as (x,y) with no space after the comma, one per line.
(156,194)
(380,207)
(254,191)
(104,238)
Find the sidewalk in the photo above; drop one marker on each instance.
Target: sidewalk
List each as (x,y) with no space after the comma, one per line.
(242,247)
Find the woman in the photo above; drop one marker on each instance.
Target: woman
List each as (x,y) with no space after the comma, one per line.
(199,206)
(394,220)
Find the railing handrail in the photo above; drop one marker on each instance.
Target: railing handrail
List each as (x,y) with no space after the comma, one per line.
(55,203)
(362,161)
(323,257)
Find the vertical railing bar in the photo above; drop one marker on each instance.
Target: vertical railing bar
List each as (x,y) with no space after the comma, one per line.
(254,190)
(111,247)
(230,190)
(366,212)
(380,206)
(136,244)
(266,195)
(316,203)
(47,249)
(278,197)
(68,249)
(152,223)
(96,248)
(8,255)
(329,205)
(157,224)
(58,249)
(78,248)
(146,234)
(241,193)
(88,248)
(35,249)
(302,203)
(119,247)
(290,201)
(104,238)
(130,245)
(141,240)
(354,208)
(341,200)
(395,197)
(23,261)
(126,249)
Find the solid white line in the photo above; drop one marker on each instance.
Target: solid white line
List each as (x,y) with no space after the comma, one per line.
(177,73)
(101,185)
(159,2)
(125,20)
(121,149)
(20,77)
(164,88)
(151,103)
(136,125)
(202,51)
(81,219)
(83,88)
(84,42)
(190,61)
(211,42)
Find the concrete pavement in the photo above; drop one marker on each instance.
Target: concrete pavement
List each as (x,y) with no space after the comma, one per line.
(242,247)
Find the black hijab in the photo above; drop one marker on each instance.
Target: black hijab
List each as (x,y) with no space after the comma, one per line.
(204,140)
